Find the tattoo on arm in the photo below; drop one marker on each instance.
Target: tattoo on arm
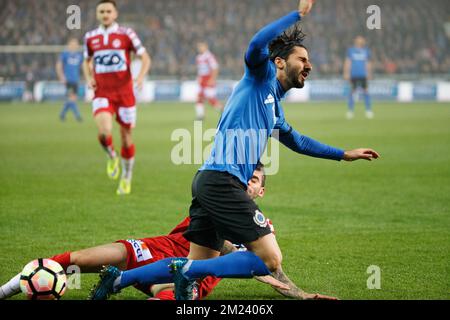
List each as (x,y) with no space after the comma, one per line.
(293,291)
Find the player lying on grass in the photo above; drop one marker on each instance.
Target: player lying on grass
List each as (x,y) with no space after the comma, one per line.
(130,254)
(275,62)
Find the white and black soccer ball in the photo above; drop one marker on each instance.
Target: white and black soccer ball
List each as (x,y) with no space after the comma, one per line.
(43,279)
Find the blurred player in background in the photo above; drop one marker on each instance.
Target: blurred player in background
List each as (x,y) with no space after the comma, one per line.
(357,70)
(68,69)
(107,70)
(207,72)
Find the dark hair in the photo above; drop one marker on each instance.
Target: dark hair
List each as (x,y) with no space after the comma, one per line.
(283,45)
(107,1)
(260,167)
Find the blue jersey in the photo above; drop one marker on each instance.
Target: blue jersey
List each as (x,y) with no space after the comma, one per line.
(359,58)
(254,111)
(71,62)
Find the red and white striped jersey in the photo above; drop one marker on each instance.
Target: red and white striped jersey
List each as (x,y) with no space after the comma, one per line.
(110,49)
(206,64)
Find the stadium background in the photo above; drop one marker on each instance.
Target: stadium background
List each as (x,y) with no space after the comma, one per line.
(333,220)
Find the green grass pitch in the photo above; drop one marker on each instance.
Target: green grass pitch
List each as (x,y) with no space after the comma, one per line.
(333,220)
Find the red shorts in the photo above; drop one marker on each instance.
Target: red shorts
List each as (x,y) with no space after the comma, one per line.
(206,90)
(122,105)
(203,82)
(148,250)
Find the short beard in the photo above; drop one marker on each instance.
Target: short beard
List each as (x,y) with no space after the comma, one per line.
(293,78)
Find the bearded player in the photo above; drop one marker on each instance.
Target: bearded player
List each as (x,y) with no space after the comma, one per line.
(207,72)
(107,71)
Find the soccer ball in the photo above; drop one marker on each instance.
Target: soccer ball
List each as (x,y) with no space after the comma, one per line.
(43,279)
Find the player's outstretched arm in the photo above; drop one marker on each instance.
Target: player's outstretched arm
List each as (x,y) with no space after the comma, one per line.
(293,291)
(305,6)
(258,50)
(305,145)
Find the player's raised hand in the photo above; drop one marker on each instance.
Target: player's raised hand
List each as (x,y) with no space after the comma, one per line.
(304,7)
(362,153)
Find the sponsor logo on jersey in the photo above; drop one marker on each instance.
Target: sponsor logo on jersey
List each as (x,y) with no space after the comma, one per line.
(108,61)
(360,56)
(74,60)
(141,251)
(259,219)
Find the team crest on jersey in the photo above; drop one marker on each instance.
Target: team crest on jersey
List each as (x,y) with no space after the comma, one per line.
(259,219)
(141,250)
(116,43)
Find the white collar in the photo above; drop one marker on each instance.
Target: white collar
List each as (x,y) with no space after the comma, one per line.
(110,29)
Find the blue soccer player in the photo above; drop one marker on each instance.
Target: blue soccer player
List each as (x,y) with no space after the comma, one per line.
(68,69)
(221,209)
(357,70)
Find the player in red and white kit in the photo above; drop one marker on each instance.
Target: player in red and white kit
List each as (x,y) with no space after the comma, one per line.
(106,67)
(207,72)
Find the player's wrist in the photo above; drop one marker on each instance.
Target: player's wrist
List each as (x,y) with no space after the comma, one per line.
(347,156)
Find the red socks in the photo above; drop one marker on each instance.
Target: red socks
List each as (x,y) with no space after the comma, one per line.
(63,259)
(107,144)
(128,153)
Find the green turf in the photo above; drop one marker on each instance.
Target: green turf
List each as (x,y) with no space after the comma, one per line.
(333,220)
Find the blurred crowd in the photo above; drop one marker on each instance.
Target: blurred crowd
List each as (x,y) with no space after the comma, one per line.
(412,38)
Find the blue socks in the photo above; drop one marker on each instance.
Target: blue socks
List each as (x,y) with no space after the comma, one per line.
(70,105)
(153,273)
(351,102)
(234,265)
(244,264)
(367,102)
